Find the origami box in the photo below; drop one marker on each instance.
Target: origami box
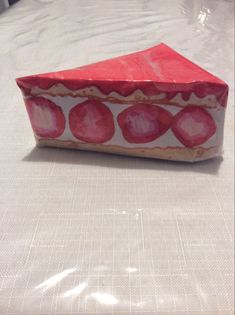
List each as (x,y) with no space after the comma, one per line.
(152,103)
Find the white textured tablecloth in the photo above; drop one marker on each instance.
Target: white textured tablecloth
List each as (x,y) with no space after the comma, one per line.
(86,233)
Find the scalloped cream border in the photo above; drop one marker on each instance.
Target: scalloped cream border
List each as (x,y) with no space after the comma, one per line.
(137,96)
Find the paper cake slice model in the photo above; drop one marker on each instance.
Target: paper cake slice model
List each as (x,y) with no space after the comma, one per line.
(152,103)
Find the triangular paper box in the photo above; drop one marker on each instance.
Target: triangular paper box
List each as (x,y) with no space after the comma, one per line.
(152,103)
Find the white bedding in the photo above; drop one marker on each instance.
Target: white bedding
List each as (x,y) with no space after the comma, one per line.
(86,233)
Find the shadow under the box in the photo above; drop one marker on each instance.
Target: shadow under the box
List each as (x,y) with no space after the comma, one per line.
(68,156)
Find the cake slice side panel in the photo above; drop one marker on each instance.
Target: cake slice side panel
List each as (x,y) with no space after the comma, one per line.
(150,126)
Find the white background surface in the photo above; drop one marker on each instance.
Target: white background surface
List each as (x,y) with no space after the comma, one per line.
(85,233)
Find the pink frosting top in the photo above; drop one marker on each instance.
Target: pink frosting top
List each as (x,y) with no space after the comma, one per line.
(156,70)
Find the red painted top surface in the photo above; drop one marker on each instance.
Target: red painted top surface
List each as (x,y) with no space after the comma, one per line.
(154,70)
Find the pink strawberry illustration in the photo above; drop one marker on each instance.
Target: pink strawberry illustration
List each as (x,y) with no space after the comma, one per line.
(92,122)
(142,123)
(193,126)
(47,119)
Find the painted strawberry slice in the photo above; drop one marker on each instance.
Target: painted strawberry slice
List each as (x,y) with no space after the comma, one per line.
(47,119)
(193,126)
(92,122)
(142,123)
